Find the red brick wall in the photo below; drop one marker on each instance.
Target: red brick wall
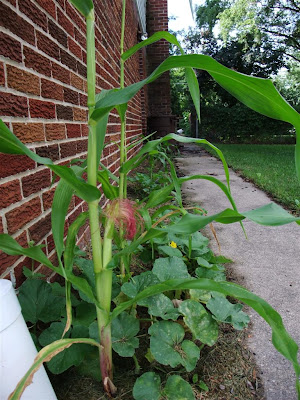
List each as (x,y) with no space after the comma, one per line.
(43,101)
(159,91)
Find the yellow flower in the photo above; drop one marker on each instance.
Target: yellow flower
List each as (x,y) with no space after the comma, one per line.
(173,244)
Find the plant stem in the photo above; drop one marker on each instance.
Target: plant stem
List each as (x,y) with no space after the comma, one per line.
(103,278)
(123,155)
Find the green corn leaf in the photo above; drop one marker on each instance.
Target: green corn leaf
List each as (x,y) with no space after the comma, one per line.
(159,196)
(282,341)
(100,136)
(10,246)
(46,354)
(61,201)
(83,6)
(111,192)
(69,253)
(10,144)
(193,85)
(256,93)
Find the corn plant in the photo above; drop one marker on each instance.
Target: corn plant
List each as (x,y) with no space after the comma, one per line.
(121,223)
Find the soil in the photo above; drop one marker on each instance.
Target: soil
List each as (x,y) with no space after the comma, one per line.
(228,368)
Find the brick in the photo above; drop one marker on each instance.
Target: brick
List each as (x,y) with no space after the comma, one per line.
(50,244)
(48,46)
(1,225)
(16,24)
(79,114)
(41,109)
(47,198)
(40,229)
(57,33)
(73,130)
(74,48)
(51,152)
(11,164)
(51,90)
(34,13)
(84,130)
(2,75)
(75,16)
(83,100)
(64,112)
(22,81)
(29,132)
(68,149)
(76,81)
(68,60)
(35,182)
(60,73)
(12,105)
(37,62)
(65,23)
(82,146)
(61,3)
(81,69)
(80,38)
(70,96)
(48,6)
(20,216)
(74,215)
(55,131)
(10,193)
(10,47)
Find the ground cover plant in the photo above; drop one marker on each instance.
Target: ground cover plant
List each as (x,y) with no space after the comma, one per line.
(270,167)
(185,293)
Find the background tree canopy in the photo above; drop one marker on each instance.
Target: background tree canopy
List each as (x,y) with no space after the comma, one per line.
(259,38)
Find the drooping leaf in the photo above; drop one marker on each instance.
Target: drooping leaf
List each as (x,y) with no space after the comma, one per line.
(110,191)
(271,214)
(124,329)
(168,347)
(39,303)
(10,246)
(69,357)
(10,144)
(46,354)
(170,268)
(159,196)
(200,322)
(224,311)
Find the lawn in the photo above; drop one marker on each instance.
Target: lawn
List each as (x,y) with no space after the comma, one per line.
(270,167)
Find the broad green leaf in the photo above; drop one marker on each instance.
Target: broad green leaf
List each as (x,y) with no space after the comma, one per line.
(86,266)
(124,328)
(200,322)
(85,314)
(69,253)
(224,311)
(139,283)
(11,246)
(168,347)
(110,191)
(69,357)
(281,340)
(83,6)
(178,389)
(212,273)
(170,251)
(200,295)
(160,306)
(45,355)
(148,387)
(10,144)
(170,268)
(39,303)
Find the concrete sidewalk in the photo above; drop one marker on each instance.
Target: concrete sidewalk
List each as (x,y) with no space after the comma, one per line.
(268,263)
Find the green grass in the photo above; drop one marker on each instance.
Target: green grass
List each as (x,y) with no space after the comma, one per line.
(270,167)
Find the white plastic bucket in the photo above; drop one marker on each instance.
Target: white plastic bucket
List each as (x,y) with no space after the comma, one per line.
(17,350)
